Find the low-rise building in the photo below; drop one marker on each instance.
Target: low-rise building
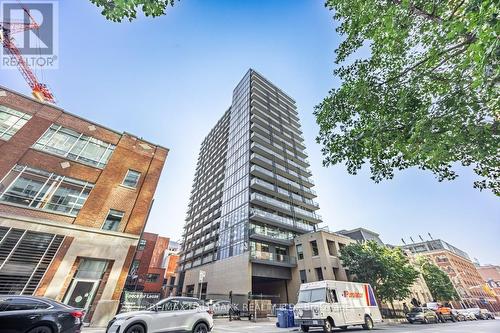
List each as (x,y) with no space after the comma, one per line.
(318,259)
(74,198)
(461,270)
(491,275)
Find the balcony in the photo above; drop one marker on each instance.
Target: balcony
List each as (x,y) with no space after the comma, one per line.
(271,203)
(268,258)
(269,235)
(279,221)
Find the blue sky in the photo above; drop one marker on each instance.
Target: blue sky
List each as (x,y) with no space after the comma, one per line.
(169,79)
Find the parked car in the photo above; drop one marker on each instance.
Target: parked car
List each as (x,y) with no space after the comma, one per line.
(484,314)
(459,316)
(173,314)
(469,315)
(443,312)
(30,314)
(422,315)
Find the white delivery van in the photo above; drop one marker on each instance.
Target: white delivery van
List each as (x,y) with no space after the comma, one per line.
(331,304)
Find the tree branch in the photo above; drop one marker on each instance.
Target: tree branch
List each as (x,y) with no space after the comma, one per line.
(455,9)
(468,40)
(422,13)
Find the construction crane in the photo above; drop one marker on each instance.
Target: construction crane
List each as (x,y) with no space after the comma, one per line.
(39,90)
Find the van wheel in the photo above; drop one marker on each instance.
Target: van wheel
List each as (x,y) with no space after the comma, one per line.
(328,327)
(304,328)
(368,325)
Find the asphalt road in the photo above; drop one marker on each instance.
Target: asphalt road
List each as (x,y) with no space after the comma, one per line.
(224,326)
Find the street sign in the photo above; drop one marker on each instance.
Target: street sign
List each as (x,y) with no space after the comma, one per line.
(202,276)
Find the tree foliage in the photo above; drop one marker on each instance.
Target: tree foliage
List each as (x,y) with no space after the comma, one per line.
(439,282)
(387,270)
(118,10)
(426,96)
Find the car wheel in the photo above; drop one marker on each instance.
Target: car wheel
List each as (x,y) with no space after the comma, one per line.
(328,327)
(410,321)
(425,321)
(304,328)
(200,328)
(453,319)
(40,329)
(135,328)
(368,325)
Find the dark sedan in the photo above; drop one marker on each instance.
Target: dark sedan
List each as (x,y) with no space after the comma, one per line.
(28,314)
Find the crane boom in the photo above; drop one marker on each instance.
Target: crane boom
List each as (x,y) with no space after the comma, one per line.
(39,90)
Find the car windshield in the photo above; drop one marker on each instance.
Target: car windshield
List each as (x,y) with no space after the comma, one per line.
(312,295)
(416,310)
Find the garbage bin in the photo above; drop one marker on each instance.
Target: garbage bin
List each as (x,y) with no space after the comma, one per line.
(282,316)
(290,321)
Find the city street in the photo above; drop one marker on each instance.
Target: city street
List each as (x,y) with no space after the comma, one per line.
(224,326)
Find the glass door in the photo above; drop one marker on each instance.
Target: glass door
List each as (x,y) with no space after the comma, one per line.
(81,293)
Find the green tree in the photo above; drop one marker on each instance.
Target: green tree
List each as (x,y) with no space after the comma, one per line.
(426,96)
(387,270)
(118,10)
(439,282)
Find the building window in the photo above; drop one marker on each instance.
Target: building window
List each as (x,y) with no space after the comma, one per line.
(40,189)
(134,268)
(319,273)
(113,220)
(303,276)
(300,252)
(152,278)
(314,248)
(142,245)
(131,179)
(75,146)
(11,121)
(190,290)
(25,257)
(331,248)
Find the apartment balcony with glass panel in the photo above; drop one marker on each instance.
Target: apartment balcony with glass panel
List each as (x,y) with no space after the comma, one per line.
(277,115)
(307,215)
(257,108)
(268,258)
(271,203)
(276,129)
(270,235)
(272,189)
(269,176)
(279,159)
(279,221)
(289,109)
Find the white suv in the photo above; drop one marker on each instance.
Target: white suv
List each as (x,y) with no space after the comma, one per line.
(173,314)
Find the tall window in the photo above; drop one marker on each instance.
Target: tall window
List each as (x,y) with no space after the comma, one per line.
(113,220)
(131,178)
(303,276)
(75,146)
(11,121)
(300,252)
(319,273)
(314,248)
(142,245)
(152,278)
(40,189)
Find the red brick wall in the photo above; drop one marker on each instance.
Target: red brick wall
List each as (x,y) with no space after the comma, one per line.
(130,153)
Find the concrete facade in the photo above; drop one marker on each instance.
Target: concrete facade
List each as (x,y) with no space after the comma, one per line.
(68,178)
(327,259)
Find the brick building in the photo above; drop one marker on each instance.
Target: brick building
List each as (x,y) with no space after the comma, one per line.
(154,263)
(462,272)
(74,199)
(491,275)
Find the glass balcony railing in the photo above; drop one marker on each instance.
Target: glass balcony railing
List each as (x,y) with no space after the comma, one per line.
(285,221)
(271,201)
(271,233)
(263,184)
(273,257)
